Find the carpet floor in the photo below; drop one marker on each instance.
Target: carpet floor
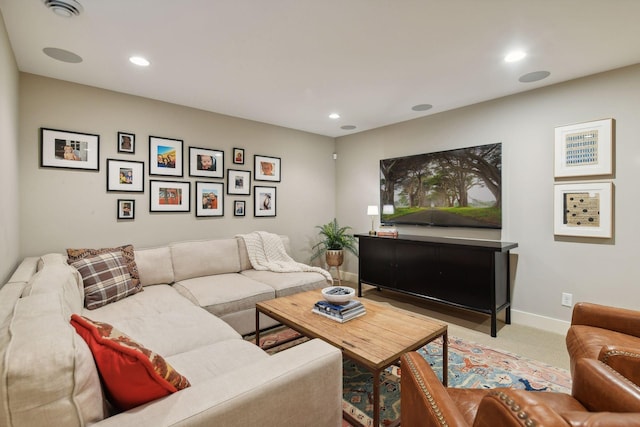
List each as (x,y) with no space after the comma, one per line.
(471,365)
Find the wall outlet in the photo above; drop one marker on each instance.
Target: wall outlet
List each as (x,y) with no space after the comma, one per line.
(567,299)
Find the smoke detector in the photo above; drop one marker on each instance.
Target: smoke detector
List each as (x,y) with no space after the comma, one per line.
(66,8)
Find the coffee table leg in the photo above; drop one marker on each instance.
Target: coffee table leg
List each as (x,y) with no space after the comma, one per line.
(445,359)
(376,398)
(257,327)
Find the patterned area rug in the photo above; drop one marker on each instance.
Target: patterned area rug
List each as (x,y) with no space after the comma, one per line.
(471,365)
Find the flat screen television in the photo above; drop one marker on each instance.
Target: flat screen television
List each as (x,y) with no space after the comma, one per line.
(454,188)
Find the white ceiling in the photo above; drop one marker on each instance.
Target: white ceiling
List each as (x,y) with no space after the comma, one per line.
(292,62)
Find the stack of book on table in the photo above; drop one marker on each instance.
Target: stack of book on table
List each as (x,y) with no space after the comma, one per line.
(339,313)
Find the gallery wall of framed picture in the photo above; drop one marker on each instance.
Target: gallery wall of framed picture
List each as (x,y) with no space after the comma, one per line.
(584,168)
(169,191)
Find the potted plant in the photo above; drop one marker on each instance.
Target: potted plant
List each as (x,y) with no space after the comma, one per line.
(335,240)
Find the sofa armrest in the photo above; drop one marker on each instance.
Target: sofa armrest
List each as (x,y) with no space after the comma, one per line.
(606,317)
(625,360)
(601,419)
(515,408)
(298,386)
(424,400)
(601,389)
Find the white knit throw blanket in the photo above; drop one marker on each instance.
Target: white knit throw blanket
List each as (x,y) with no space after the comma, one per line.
(266,252)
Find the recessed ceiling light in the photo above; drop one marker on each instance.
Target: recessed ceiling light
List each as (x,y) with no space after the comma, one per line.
(422,107)
(348,127)
(514,56)
(138,60)
(334,116)
(534,77)
(62,55)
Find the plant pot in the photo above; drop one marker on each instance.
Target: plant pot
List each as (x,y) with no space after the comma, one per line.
(335,258)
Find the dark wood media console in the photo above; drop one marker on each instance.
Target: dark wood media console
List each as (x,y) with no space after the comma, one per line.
(466,273)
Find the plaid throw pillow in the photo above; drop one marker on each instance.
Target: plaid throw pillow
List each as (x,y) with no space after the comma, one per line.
(105,278)
(128,254)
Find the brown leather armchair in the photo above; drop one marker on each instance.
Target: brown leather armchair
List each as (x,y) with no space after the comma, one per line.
(600,397)
(608,334)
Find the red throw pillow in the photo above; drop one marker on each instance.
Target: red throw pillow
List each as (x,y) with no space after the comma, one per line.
(132,374)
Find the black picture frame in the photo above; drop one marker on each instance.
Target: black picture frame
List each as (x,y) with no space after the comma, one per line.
(238,156)
(209,199)
(69,149)
(169,196)
(238,182)
(166,156)
(265,201)
(126,142)
(126,209)
(266,168)
(239,208)
(125,176)
(214,166)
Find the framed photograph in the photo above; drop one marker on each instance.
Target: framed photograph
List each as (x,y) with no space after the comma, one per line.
(165,156)
(69,150)
(584,209)
(266,168)
(264,203)
(239,208)
(209,199)
(238,156)
(169,196)
(126,209)
(238,182)
(584,149)
(126,142)
(124,175)
(206,163)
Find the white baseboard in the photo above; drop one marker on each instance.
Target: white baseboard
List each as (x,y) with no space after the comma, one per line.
(540,322)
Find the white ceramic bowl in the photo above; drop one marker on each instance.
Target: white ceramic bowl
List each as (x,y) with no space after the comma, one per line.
(338,294)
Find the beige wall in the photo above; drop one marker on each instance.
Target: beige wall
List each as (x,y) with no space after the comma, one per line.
(70,208)
(604,271)
(9,214)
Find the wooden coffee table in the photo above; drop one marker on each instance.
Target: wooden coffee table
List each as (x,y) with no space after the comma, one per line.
(375,340)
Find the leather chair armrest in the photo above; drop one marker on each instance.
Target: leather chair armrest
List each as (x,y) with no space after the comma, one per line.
(424,400)
(515,408)
(599,388)
(602,419)
(606,317)
(625,360)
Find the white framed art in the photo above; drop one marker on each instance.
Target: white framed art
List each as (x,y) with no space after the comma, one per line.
(209,198)
(583,209)
(125,175)
(165,156)
(169,196)
(584,149)
(264,202)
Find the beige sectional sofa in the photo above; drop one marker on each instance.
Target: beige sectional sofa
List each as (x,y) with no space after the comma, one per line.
(198,300)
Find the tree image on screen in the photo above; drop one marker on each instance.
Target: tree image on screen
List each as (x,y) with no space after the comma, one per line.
(455,188)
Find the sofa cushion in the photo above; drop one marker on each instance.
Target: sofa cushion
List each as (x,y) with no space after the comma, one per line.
(288,283)
(204,258)
(48,374)
(211,361)
(132,374)
(55,275)
(106,279)
(164,320)
(155,266)
(127,253)
(224,293)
